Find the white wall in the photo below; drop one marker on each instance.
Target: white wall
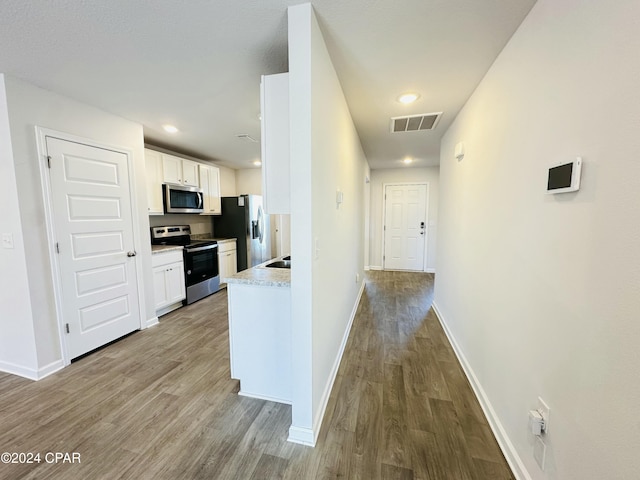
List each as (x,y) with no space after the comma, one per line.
(542,292)
(29,106)
(249,181)
(17,338)
(227,181)
(428,175)
(327,242)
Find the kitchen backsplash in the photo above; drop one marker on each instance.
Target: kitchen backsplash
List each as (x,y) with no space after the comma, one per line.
(200,236)
(201,225)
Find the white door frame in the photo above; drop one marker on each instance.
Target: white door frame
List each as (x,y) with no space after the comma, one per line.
(41,136)
(426,220)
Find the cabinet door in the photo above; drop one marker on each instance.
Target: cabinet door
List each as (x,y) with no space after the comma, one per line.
(222,266)
(153,171)
(232,262)
(274,94)
(172,169)
(228,264)
(210,185)
(160,287)
(175,282)
(168,284)
(216,204)
(190,173)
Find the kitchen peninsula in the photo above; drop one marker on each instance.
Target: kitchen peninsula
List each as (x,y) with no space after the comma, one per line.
(260,331)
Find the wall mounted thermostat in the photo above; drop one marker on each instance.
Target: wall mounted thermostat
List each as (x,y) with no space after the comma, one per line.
(565,177)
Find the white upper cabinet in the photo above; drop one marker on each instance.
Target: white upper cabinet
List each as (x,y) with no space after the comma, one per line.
(210,185)
(153,169)
(172,169)
(190,173)
(179,171)
(274,96)
(164,168)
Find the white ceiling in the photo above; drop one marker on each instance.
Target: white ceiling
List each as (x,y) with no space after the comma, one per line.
(197,64)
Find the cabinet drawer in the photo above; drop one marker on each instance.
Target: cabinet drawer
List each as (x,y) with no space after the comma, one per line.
(163,258)
(226,246)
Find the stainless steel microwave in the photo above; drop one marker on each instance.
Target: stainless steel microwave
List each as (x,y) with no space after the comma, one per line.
(180,199)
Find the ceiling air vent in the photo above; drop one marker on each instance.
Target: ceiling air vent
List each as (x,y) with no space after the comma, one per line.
(415,123)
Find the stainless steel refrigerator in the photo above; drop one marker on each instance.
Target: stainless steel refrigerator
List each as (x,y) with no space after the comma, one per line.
(243,218)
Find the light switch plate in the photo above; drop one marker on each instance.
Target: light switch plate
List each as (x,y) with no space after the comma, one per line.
(545,411)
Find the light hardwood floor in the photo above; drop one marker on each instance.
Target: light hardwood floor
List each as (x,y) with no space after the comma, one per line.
(160,404)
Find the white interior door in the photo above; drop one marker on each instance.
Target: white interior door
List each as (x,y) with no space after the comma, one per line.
(94,234)
(405,227)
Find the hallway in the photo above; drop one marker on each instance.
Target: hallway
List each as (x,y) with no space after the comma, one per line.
(160,404)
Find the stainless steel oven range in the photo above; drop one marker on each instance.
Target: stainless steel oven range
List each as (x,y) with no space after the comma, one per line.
(201,272)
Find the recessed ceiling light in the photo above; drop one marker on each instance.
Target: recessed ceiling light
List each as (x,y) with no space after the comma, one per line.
(170,129)
(407,160)
(257,163)
(408,98)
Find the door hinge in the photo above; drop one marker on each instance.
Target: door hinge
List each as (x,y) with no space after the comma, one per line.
(385,228)
(66,326)
(57,247)
(49,161)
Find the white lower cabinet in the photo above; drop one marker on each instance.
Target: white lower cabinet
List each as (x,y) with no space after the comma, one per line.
(168,280)
(260,340)
(227,259)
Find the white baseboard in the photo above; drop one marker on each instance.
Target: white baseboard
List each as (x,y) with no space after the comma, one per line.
(430,270)
(151,322)
(366,268)
(303,436)
(53,367)
(324,400)
(264,397)
(513,459)
(375,267)
(30,373)
(13,369)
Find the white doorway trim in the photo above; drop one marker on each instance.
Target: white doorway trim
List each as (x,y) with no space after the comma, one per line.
(382,226)
(41,136)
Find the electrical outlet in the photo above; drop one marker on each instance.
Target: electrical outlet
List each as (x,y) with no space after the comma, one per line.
(539,452)
(545,411)
(7,240)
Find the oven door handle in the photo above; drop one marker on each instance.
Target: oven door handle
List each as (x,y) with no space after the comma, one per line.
(199,249)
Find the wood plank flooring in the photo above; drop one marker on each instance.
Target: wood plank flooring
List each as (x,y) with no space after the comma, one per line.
(160,404)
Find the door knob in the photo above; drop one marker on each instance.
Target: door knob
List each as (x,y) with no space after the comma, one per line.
(131,254)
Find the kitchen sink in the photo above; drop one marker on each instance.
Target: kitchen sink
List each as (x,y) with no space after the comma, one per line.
(279,264)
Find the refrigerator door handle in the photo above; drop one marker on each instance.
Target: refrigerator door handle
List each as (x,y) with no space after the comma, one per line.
(259,224)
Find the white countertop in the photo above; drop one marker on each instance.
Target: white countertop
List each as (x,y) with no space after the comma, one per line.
(164,248)
(262,276)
